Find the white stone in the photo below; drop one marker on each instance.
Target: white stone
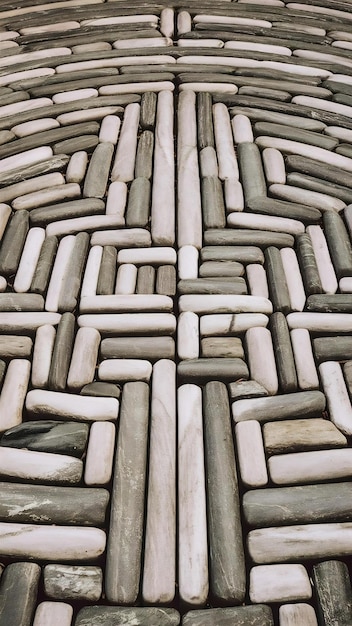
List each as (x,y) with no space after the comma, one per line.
(188,336)
(258,47)
(53,613)
(84,358)
(307,467)
(100,454)
(312,152)
(251,456)
(26,321)
(279,583)
(25,464)
(32,184)
(321,322)
(293,279)
(261,359)
(227,160)
(322,256)
(208,162)
(189,208)
(148,256)
(126,279)
(257,281)
(68,405)
(120,19)
(13,393)
(213,325)
(344,134)
(159,573)
(29,260)
(187,262)
(266,222)
(153,85)
(76,94)
(116,199)
(242,129)
(321,201)
(32,56)
(89,222)
(312,55)
(91,274)
(209,87)
(109,129)
(29,157)
(59,273)
(77,166)
(224,304)
(346,45)
(42,354)
(126,303)
(297,614)
(7,79)
(197,43)
(184,23)
(192,538)
(345,284)
(10,34)
(339,405)
(123,166)
(46,196)
(86,115)
(3,284)
(5,212)
(233,192)
(51,543)
(274,166)
(24,105)
(226,19)
(35,126)
(127,323)
(163,196)
(123,370)
(143,42)
(115,62)
(304,360)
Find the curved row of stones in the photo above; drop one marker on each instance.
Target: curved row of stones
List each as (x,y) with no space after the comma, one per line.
(175,336)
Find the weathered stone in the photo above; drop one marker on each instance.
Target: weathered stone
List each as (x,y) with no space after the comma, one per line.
(293,405)
(333,588)
(48,436)
(62,353)
(279,583)
(18,593)
(206,369)
(255,615)
(138,348)
(140,616)
(73,582)
(286,369)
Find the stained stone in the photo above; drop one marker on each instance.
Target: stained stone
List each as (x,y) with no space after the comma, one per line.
(44,266)
(206,369)
(279,583)
(246,389)
(18,593)
(30,465)
(51,543)
(48,436)
(212,202)
(58,613)
(293,405)
(339,244)
(101,390)
(139,616)
(138,206)
(301,542)
(215,347)
(13,346)
(282,208)
(306,467)
(278,288)
(308,265)
(148,110)
(224,285)
(62,352)
(220,269)
(339,405)
(286,369)
(301,435)
(316,168)
(296,134)
(107,271)
(241,254)
(96,178)
(160,556)
(73,582)
(13,242)
(79,408)
(255,615)
(333,589)
(205,120)
(337,348)
(123,565)
(84,357)
(248,237)
(144,157)
(252,173)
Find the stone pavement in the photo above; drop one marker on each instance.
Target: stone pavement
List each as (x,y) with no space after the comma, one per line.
(175,313)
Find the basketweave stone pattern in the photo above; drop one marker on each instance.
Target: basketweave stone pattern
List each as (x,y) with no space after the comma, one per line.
(175,313)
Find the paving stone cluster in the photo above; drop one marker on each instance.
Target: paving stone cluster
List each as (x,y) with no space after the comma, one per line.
(175,313)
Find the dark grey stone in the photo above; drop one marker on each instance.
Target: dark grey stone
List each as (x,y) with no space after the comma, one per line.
(333,591)
(281,208)
(205,127)
(100,389)
(251,170)
(285,362)
(144,158)
(18,594)
(18,174)
(48,436)
(145,279)
(97,175)
(278,290)
(66,210)
(311,167)
(13,241)
(138,205)
(321,186)
(211,286)
(148,108)
(213,207)
(333,348)
(68,299)
(308,264)
(107,272)
(204,370)
(248,237)
(134,616)
(149,348)
(86,143)
(166,280)
(339,243)
(73,582)
(45,264)
(330,303)
(61,358)
(256,615)
(296,134)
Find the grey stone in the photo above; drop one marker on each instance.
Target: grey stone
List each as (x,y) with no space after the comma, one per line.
(138,206)
(148,108)
(242,389)
(291,405)
(241,254)
(12,242)
(251,169)
(68,299)
(311,167)
(21,302)
(248,237)
(223,285)
(221,269)
(96,178)
(44,266)
(83,142)
(107,272)
(295,134)
(138,348)
(213,207)
(278,289)
(144,158)
(73,582)
(62,352)
(205,128)
(281,208)
(53,164)
(285,362)
(166,280)
(18,594)
(65,210)
(256,615)
(101,390)
(205,370)
(48,436)
(134,616)
(334,594)
(300,435)
(321,186)
(339,243)
(308,264)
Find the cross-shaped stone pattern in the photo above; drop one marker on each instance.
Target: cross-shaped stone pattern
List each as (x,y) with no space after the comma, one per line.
(175,313)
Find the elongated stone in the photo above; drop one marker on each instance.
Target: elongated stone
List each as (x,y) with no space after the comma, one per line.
(316,168)
(229,347)
(13,242)
(339,243)
(208,162)
(13,393)
(51,543)
(224,304)
(126,303)
(89,223)
(304,360)
(283,353)
(145,279)
(339,405)
(42,354)
(163,198)
(109,129)
(67,438)
(308,265)
(44,265)
(321,322)
(337,348)
(124,547)
(84,357)
(260,350)
(320,186)
(101,390)
(142,616)
(205,130)
(100,454)
(251,169)
(333,588)
(323,259)
(27,186)
(294,193)
(282,208)
(12,322)
(212,202)
(129,323)
(306,467)
(220,269)
(251,455)
(294,405)
(279,583)
(160,565)
(138,237)
(300,542)
(58,273)
(257,280)
(21,302)
(144,157)
(59,614)
(122,370)
(301,435)
(29,260)
(192,537)
(138,206)
(274,166)
(77,167)
(73,582)
(266,222)
(295,134)
(140,347)
(62,352)
(248,237)
(18,592)
(227,160)
(72,280)
(213,286)
(123,166)
(297,505)
(233,192)
(227,576)
(213,325)
(107,271)
(278,289)
(64,210)
(206,369)
(153,256)
(166,280)
(188,335)
(148,110)
(13,346)
(30,465)
(96,178)
(66,405)
(251,615)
